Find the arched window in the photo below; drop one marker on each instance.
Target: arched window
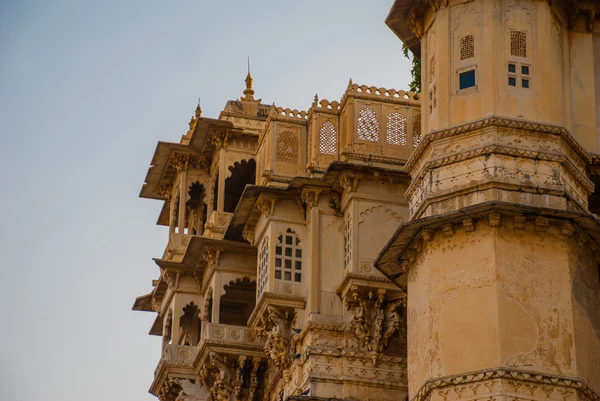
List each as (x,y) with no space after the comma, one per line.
(395,132)
(327,139)
(416,130)
(190,325)
(287,147)
(288,257)
(263,266)
(518,44)
(467,47)
(368,125)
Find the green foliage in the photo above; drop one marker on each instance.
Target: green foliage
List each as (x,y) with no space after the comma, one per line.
(415,72)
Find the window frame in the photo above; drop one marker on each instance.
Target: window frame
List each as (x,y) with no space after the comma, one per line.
(293,258)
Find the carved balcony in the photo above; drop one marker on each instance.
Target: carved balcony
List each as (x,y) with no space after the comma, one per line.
(176,361)
(176,247)
(229,336)
(230,362)
(179,355)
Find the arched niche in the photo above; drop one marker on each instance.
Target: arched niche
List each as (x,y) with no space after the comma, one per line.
(237,302)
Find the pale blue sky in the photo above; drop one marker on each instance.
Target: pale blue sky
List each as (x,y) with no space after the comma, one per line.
(87,88)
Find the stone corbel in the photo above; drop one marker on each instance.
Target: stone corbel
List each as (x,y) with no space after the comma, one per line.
(374,320)
(248,233)
(170,390)
(415,23)
(172,279)
(266,205)
(239,378)
(179,161)
(310,197)
(211,256)
(349,181)
(336,202)
(276,326)
(253,378)
(219,138)
(165,191)
(222,387)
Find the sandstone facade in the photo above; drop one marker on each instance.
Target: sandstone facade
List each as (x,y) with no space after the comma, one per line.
(437,246)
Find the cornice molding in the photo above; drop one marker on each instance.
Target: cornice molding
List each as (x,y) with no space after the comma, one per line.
(506,373)
(500,122)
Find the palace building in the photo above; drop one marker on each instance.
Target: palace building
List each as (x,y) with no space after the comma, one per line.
(395,246)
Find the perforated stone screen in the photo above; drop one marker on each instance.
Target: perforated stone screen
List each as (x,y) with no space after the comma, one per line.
(518,44)
(327,139)
(368,125)
(395,132)
(287,147)
(263,266)
(467,47)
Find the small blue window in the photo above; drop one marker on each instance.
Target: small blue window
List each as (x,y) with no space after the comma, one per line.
(512,81)
(524,70)
(512,68)
(466,79)
(525,83)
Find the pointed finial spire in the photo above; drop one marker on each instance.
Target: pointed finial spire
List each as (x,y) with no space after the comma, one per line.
(198,109)
(249,92)
(316,100)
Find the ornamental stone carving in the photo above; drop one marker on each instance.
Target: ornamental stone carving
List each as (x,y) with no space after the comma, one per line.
(374,320)
(276,326)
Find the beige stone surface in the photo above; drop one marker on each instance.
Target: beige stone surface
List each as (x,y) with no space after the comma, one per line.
(436,246)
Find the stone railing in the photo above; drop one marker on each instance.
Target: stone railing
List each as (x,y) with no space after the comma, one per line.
(183,355)
(225,333)
(177,355)
(217,224)
(176,246)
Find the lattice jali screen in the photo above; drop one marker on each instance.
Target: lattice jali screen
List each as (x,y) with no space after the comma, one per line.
(368,125)
(287,147)
(327,139)
(263,266)
(395,132)
(467,47)
(416,130)
(518,44)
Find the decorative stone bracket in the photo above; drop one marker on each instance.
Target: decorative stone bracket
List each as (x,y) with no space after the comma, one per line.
(227,377)
(266,204)
(276,325)
(211,256)
(374,320)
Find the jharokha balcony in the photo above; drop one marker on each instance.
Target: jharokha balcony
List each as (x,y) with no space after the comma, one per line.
(242,301)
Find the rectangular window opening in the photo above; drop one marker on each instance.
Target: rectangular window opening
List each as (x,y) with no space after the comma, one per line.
(512,68)
(525,83)
(466,79)
(524,70)
(512,81)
